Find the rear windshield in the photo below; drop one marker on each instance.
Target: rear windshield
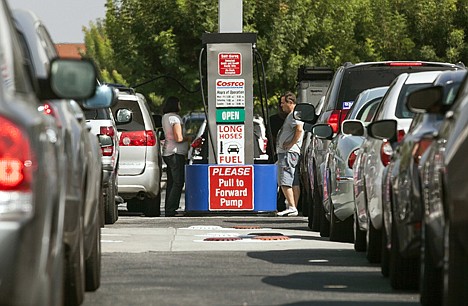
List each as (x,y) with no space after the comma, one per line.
(137,123)
(356,80)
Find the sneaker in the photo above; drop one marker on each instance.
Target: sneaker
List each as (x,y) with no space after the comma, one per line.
(291,211)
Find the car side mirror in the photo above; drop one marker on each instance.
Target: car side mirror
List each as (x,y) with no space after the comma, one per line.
(123,116)
(305,112)
(426,100)
(352,127)
(323,131)
(383,130)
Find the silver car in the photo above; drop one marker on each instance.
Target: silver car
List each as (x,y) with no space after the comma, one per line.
(140,160)
(32,204)
(81,166)
(338,184)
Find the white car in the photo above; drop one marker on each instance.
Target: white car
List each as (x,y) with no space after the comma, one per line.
(140,162)
(101,121)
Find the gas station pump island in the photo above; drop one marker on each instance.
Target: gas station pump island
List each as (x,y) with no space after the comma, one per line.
(230,182)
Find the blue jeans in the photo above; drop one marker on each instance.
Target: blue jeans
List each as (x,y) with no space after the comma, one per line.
(175,182)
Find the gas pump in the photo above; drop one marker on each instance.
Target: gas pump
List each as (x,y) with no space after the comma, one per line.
(231,182)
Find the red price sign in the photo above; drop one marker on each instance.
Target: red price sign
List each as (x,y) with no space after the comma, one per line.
(229,63)
(231,187)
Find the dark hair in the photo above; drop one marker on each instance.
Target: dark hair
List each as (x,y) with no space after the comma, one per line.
(171,105)
(289,97)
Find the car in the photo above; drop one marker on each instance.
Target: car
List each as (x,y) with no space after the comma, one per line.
(102,122)
(140,162)
(348,81)
(31,220)
(376,153)
(338,184)
(82,155)
(403,207)
(444,264)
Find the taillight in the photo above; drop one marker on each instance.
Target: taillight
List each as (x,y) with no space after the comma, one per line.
(107,130)
(401,134)
(386,152)
(352,158)
(334,120)
(16,160)
(265,145)
(419,149)
(138,138)
(405,64)
(46,109)
(197,143)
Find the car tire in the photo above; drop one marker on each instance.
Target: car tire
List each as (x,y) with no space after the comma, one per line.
(93,263)
(324,223)
(374,244)
(385,259)
(75,275)
(110,207)
(431,275)
(359,237)
(403,272)
(152,206)
(316,208)
(134,205)
(340,231)
(455,269)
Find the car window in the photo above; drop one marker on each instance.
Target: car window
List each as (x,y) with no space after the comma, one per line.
(367,112)
(137,123)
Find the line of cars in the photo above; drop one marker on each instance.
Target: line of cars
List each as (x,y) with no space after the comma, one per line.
(380,175)
(69,147)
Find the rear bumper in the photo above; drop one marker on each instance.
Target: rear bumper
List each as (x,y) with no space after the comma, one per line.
(147,182)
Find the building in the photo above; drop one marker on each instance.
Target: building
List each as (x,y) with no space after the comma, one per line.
(70,50)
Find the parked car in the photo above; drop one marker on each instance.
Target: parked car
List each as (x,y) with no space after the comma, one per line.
(102,122)
(32,220)
(82,163)
(140,162)
(376,153)
(338,184)
(403,209)
(444,255)
(349,80)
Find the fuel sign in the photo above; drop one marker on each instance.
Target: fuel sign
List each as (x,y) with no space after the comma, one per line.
(230,143)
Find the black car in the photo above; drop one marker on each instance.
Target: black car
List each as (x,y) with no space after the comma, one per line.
(402,201)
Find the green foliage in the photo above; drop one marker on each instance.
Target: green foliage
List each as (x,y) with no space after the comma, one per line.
(153,43)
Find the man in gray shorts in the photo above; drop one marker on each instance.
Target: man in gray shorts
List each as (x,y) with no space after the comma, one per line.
(288,148)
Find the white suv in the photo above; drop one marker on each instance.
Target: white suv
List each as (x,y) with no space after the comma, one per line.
(140,155)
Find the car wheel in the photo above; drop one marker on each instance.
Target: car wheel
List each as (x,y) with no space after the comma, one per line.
(431,275)
(134,205)
(403,271)
(74,275)
(93,263)
(152,206)
(340,231)
(385,260)
(374,244)
(111,209)
(316,208)
(455,269)
(359,237)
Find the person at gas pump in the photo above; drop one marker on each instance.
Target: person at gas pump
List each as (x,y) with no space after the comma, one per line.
(288,149)
(174,153)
